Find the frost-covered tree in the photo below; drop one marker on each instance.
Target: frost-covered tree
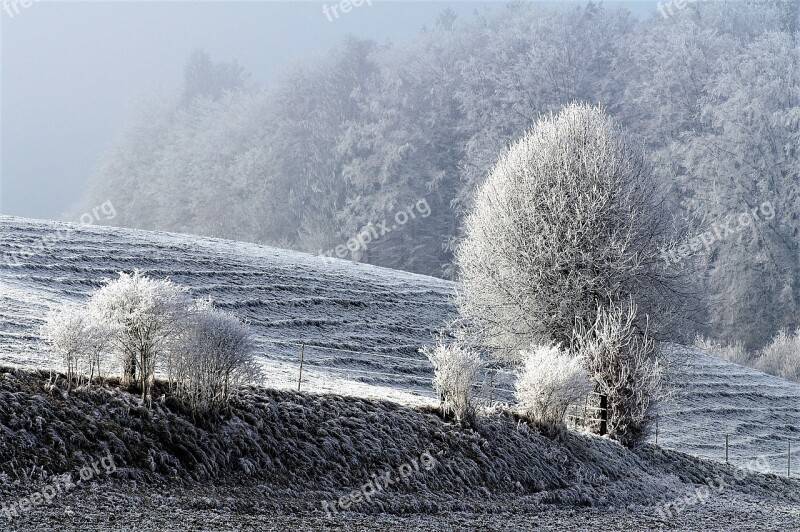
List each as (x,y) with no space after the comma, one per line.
(456,368)
(211,358)
(548,381)
(574,48)
(99,337)
(713,90)
(567,219)
(78,340)
(624,362)
(143,314)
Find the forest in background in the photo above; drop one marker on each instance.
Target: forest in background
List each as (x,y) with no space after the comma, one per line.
(351,139)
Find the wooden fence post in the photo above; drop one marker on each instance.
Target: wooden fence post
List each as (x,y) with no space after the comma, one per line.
(789,461)
(726,448)
(585,404)
(302,353)
(656,428)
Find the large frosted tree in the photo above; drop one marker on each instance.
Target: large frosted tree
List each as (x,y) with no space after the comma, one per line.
(567,220)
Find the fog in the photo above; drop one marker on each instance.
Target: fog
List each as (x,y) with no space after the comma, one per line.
(71,69)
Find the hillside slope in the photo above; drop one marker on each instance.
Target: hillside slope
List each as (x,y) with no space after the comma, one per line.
(759,413)
(283,452)
(291,298)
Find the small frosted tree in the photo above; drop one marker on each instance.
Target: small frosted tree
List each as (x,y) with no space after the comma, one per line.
(99,337)
(548,381)
(142,314)
(456,369)
(625,364)
(65,330)
(567,218)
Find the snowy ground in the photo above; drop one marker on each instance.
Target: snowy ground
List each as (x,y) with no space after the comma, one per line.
(292,298)
(759,413)
(272,463)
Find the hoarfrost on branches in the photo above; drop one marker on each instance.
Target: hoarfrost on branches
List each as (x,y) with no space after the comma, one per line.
(549,380)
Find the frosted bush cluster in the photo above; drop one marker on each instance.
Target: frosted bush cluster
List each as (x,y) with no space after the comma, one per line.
(734,352)
(139,325)
(141,315)
(781,357)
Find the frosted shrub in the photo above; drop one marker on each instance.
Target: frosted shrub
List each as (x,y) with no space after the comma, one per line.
(624,362)
(549,380)
(456,370)
(781,357)
(212,359)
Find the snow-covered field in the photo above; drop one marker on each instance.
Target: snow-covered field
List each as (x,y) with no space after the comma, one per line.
(288,298)
(292,298)
(759,413)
